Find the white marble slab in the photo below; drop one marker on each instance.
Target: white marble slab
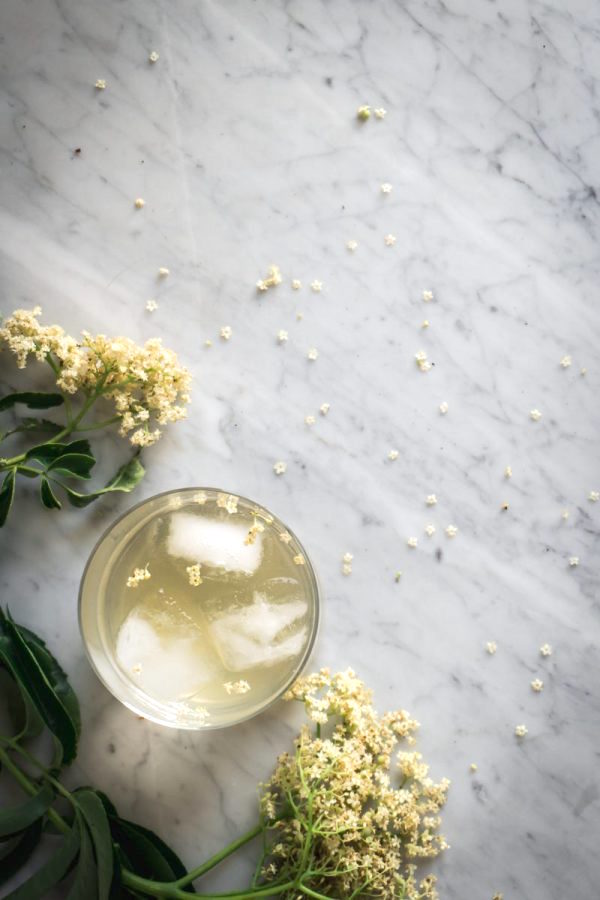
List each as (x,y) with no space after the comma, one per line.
(243,141)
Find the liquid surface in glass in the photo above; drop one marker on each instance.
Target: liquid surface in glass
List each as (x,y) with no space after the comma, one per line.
(208,607)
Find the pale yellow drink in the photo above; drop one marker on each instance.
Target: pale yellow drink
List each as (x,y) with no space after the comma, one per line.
(205,608)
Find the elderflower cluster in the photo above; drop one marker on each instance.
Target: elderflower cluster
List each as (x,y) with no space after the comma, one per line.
(138,576)
(357,829)
(146,384)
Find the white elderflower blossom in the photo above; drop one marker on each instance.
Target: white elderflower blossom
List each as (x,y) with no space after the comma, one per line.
(422,361)
(594,496)
(324,408)
(163,272)
(226,332)
(254,530)
(100,84)
(427,296)
(535,415)
(299,559)
(352,245)
(139,203)
(508,472)
(537,685)
(272,280)
(363,113)
(386,188)
(443,408)
(412,542)
(146,384)
(380,112)
(573,561)
(565,362)
(430,530)
(228,502)
(389,240)
(282,336)
(451,531)
(309,420)
(312,354)
(154,56)
(393,455)
(285,537)
(296,284)
(491,647)
(430,499)
(151,305)
(193,573)
(316,286)
(565,514)
(521,731)
(138,576)
(279,467)
(545,650)
(237,687)
(200,497)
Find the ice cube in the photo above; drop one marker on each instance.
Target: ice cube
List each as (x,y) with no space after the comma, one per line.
(258,634)
(167,666)
(214,543)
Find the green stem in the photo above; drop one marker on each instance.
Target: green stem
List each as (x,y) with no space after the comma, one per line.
(310,893)
(102,424)
(219,857)
(169,890)
(30,788)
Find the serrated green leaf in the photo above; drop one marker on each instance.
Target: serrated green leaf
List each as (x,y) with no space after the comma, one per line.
(28,423)
(127,477)
(48,452)
(73,465)
(96,819)
(16,818)
(49,498)
(35,685)
(19,852)
(44,879)
(7,493)
(55,675)
(147,854)
(85,884)
(32,400)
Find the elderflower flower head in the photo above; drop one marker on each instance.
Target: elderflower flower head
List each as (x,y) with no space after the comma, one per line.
(377,809)
(146,384)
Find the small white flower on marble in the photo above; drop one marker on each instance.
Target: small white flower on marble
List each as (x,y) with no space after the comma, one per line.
(316,286)
(193,573)
(390,240)
(425,323)
(491,647)
(422,361)
(393,454)
(346,569)
(226,332)
(427,296)
(299,316)
(412,542)
(594,496)
(473,767)
(151,305)
(324,408)
(347,557)
(208,342)
(565,514)
(237,687)
(545,650)
(154,56)
(537,685)
(386,188)
(508,472)
(583,371)
(296,284)
(279,467)
(163,272)
(380,112)
(309,420)
(273,278)
(535,415)
(299,560)
(573,561)
(347,563)
(139,203)
(521,731)
(262,285)
(398,576)
(282,336)
(100,84)
(430,499)
(137,669)
(430,530)
(443,408)
(351,245)
(200,497)
(566,362)
(363,112)
(451,531)
(285,537)
(312,354)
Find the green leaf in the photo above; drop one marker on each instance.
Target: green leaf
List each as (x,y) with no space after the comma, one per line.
(32,400)
(7,493)
(94,813)
(85,884)
(73,465)
(55,675)
(35,685)
(49,498)
(16,818)
(51,872)
(147,854)
(127,477)
(47,453)
(28,423)
(20,851)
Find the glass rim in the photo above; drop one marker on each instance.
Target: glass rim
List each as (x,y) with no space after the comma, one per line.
(206,725)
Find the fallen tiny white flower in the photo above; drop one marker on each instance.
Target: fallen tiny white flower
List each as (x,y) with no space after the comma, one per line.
(521,731)
(427,296)
(443,408)
(508,472)
(139,203)
(100,84)
(163,272)
(363,113)
(347,557)
(412,542)
(309,420)
(565,362)
(451,531)
(594,496)
(380,112)
(316,286)
(279,467)
(312,354)
(537,685)
(386,188)
(425,323)
(430,530)
(573,561)
(393,454)
(154,56)
(546,650)
(565,514)
(491,647)
(535,415)
(299,560)
(352,245)
(226,332)
(324,408)
(431,500)
(151,305)
(390,240)
(296,284)
(282,336)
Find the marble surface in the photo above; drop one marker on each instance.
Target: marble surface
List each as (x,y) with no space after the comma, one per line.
(244,143)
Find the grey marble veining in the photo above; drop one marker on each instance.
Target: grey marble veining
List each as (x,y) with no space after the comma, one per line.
(244,143)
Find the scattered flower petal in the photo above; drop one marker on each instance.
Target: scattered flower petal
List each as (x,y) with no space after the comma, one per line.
(537,685)
(535,415)
(279,467)
(352,245)
(393,454)
(324,408)
(491,647)
(430,530)
(412,542)
(226,332)
(573,561)
(154,56)
(282,336)
(566,362)
(431,500)
(390,240)
(427,296)
(139,203)
(380,112)
(316,286)
(363,113)
(312,354)
(545,650)
(386,188)
(521,731)
(151,305)
(443,408)
(451,531)
(296,284)
(100,84)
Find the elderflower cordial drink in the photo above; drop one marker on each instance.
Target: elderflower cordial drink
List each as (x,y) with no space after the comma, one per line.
(198,608)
